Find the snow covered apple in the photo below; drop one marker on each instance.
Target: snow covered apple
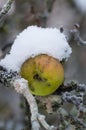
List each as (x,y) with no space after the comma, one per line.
(36,55)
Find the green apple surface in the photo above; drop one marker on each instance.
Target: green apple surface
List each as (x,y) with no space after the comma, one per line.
(44,74)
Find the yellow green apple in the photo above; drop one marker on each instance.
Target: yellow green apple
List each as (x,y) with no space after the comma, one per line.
(44,74)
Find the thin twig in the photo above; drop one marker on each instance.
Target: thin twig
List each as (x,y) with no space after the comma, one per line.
(6,8)
(77,121)
(75,34)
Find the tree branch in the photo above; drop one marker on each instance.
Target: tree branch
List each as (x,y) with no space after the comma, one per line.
(6,8)
(75,34)
(13,80)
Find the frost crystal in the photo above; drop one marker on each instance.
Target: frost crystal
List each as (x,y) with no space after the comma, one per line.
(34,41)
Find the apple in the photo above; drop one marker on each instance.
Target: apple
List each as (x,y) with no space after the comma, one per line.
(44,74)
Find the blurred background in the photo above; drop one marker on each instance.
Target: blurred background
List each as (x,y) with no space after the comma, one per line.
(45,13)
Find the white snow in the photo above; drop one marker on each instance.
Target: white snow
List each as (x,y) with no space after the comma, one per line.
(81,4)
(34,41)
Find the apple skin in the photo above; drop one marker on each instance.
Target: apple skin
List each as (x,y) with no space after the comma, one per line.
(44,74)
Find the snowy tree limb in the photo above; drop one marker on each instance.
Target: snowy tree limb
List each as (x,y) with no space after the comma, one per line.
(14,80)
(6,8)
(21,86)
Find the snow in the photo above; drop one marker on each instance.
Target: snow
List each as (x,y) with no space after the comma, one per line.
(34,41)
(81,4)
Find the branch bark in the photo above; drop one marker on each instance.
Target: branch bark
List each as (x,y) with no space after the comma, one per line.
(5,9)
(75,35)
(14,80)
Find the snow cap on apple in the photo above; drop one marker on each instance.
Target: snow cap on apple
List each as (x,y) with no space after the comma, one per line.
(36,55)
(33,41)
